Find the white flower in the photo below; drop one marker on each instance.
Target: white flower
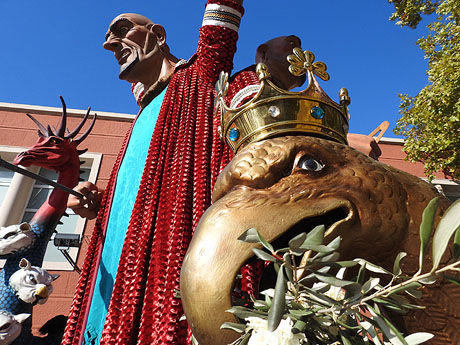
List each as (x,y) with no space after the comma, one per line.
(281,336)
(334,292)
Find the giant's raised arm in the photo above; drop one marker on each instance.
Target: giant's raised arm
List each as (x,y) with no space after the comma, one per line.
(218,37)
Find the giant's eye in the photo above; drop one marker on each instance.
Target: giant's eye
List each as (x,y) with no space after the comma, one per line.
(54,141)
(32,279)
(309,163)
(123,30)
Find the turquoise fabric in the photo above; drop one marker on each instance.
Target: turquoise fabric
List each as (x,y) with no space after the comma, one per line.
(127,185)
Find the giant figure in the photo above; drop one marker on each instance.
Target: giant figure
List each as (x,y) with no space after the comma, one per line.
(139,46)
(158,191)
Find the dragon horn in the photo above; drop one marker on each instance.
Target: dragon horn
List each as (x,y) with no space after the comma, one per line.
(61,131)
(84,135)
(54,130)
(43,132)
(50,131)
(77,129)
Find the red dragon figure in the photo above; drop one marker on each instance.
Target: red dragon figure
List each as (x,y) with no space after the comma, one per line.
(54,150)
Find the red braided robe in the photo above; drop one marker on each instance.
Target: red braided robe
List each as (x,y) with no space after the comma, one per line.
(182,164)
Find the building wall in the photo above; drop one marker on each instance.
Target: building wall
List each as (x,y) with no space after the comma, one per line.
(17,130)
(392,154)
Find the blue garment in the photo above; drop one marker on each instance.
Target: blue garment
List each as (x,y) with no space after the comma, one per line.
(127,185)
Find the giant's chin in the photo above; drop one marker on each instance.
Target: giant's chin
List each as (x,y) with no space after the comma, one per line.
(127,67)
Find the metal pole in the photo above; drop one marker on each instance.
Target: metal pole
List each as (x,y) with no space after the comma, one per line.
(39,178)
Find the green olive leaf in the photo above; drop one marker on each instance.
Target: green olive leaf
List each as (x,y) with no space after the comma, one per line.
(418,338)
(345,341)
(249,236)
(448,225)
(237,327)
(369,328)
(372,267)
(331,280)
(452,279)
(426,228)
(390,332)
(287,267)
(315,236)
(297,241)
(397,264)
(264,242)
(299,327)
(456,250)
(263,255)
(370,284)
(275,314)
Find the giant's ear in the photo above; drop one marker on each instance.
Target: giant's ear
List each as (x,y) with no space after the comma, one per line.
(261,54)
(24,227)
(25,264)
(160,34)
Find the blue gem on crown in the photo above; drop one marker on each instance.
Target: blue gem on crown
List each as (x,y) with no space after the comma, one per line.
(317,112)
(234,134)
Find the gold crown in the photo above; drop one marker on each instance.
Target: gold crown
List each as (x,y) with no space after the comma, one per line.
(274,111)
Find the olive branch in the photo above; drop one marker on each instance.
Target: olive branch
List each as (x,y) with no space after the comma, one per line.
(325,308)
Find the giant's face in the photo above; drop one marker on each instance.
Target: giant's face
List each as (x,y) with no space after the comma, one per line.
(133,42)
(10,326)
(32,284)
(285,186)
(15,237)
(278,50)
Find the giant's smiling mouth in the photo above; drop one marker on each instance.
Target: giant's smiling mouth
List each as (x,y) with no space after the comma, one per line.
(123,56)
(126,68)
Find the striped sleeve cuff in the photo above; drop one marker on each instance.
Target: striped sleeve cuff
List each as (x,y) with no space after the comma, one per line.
(221,15)
(137,90)
(243,94)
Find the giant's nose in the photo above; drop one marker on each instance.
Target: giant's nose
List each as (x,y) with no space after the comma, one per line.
(42,292)
(111,44)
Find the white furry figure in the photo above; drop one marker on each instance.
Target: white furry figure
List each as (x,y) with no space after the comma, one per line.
(10,326)
(32,284)
(15,237)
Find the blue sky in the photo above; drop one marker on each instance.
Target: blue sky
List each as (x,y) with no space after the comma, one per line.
(53,48)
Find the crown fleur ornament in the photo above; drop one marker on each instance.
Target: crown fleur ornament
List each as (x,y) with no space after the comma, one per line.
(274,111)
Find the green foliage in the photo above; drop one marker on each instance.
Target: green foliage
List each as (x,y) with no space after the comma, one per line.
(409,12)
(430,121)
(321,307)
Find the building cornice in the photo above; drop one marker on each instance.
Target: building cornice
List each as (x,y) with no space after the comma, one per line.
(391,141)
(38,109)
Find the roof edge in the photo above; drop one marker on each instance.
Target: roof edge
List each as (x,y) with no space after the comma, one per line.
(38,109)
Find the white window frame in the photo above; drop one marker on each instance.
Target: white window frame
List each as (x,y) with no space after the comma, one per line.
(22,192)
(450,188)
